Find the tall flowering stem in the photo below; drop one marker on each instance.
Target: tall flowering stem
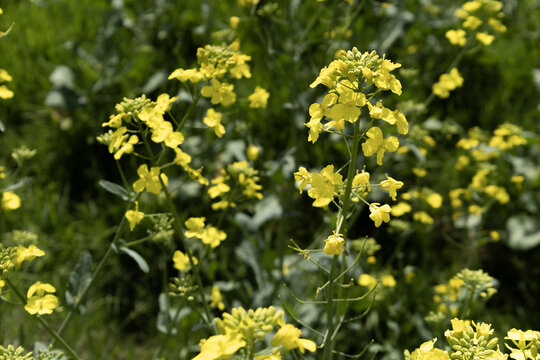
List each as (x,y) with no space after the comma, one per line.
(353,81)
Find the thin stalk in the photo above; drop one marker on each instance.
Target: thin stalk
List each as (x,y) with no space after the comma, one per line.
(327,355)
(178,228)
(345,212)
(69,351)
(94,275)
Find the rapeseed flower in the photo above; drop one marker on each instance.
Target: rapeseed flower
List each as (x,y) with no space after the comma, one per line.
(376,144)
(10,201)
(334,244)
(134,216)
(391,185)
(23,253)
(213,121)
(149,180)
(181,261)
(288,336)
(324,186)
(379,213)
(40,299)
(220,346)
(219,92)
(259,98)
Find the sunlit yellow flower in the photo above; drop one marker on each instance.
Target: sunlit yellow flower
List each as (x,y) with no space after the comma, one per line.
(213,121)
(134,216)
(182,75)
(181,261)
(379,213)
(219,92)
(334,244)
(40,300)
(217,299)
(10,201)
(388,280)
(303,177)
(149,180)
(5,93)
(252,152)
(323,186)
(220,346)
(367,280)
(259,98)
(288,336)
(485,38)
(27,254)
(400,209)
(391,185)
(376,144)
(456,37)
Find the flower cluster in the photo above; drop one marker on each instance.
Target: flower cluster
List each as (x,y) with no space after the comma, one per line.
(468,286)
(5,93)
(424,202)
(481,19)
(242,332)
(447,83)
(209,235)
(483,157)
(349,79)
(235,183)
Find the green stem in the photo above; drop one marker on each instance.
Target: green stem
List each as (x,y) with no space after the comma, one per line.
(328,341)
(178,228)
(69,351)
(94,275)
(342,221)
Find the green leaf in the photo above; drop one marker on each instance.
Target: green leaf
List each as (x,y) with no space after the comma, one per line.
(143,265)
(115,189)
(269,208)
(79,280)
(523,232)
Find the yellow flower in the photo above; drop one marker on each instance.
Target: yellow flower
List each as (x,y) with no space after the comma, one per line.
(134,216)
(220,346)
(456,37)
(323,186)
(472,22)
(4,76)
(219,92)
(388,280)
(485,38)
(303,177)
(334,244)
(217,299)
(361,182)
(447,83)
(422,217)
(434,200)
(186,75)
(379,213)
(27,254)
(367,280)
(181,261)
(288,336)
(5,93)
(149,180)
(376,144)
(259,98)
(233,21)
(252,152)
(213,121)
(195,226)
(40,301)
(401,208)
(391,185)
(10,201)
